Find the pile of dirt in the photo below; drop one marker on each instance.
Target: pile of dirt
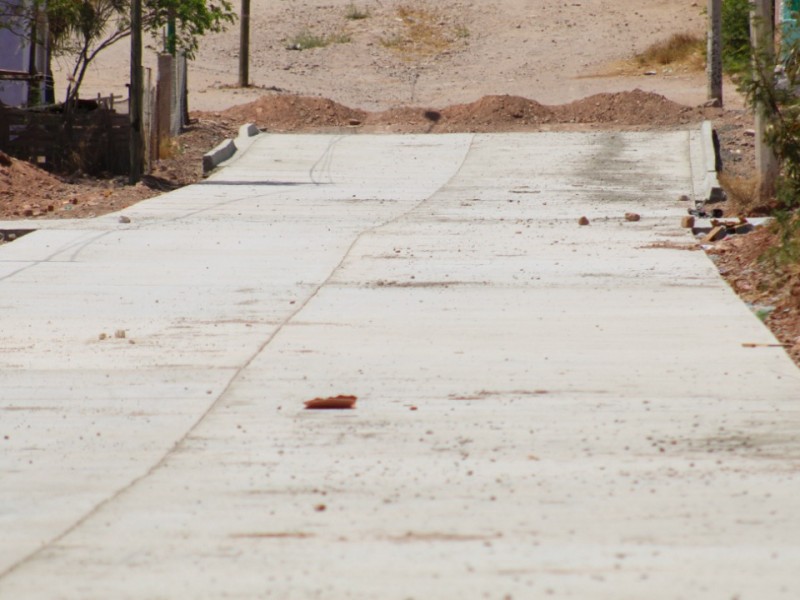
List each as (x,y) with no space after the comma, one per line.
(629,108)
(495,113)
(284,113)
(28,191)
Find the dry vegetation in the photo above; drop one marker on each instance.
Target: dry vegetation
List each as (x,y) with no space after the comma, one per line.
(681,52)
(422,32)
(679,49)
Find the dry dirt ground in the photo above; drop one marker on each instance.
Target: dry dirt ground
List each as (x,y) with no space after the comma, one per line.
(423,66)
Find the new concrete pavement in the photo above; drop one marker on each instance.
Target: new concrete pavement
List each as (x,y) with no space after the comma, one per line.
(544,410)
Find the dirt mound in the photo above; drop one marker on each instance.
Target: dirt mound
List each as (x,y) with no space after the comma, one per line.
(627,108)
(284,112)
(495,113)
(26,190)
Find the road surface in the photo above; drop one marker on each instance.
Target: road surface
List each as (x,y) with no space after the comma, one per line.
(544,409)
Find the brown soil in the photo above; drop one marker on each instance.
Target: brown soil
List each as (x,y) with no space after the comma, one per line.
(622,110)
(744,262)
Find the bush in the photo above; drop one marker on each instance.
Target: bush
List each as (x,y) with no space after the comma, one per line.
(735,35)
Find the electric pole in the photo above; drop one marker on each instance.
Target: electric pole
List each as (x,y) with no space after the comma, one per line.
(714,62)
(762,34)
(244,45)
(135,103)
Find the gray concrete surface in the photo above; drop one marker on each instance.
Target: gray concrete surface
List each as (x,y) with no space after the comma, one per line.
(545,410)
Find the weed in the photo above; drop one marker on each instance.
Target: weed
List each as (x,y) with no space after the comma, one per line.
(339,38)
(355,13)
(743,195)
(306,40)
(786,256)
(679,48)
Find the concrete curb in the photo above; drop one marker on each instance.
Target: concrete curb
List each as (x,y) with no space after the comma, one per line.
(712,191)
(227,149)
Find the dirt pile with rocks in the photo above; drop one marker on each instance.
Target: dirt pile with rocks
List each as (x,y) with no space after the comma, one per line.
(634,109)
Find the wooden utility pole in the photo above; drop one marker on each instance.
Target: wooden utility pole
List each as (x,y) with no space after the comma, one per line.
(714,62)
(762,34)
(244,45)
(135,104)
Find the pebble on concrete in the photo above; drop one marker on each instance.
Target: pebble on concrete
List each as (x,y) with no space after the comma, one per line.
(583,221)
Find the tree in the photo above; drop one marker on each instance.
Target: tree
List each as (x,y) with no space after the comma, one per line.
(84,28)
(773,83)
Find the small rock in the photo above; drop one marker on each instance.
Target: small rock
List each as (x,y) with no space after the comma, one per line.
(124,219)
(683,198)
(750,132)
(354,122)
(650,73)
(716,234)
(102,336)
(687,222)
(633,217)
(119,334)
(583,221)
(320,508)
(332,402)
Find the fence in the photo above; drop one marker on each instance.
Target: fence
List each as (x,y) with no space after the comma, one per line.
(93,141)
(96,141)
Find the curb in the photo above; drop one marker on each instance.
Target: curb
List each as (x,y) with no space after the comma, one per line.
(712,191)
(227,149)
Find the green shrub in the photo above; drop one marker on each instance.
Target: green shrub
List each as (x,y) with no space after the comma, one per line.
(735,35)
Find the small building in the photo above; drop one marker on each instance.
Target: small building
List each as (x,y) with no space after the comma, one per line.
(23,65)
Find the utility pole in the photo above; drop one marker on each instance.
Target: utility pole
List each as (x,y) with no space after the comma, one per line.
(135,104)
(244,45)
(762,34)
(714,62)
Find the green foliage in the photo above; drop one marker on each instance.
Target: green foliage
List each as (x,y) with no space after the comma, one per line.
(773,84)
(193,19)
(735,35)
(84,28)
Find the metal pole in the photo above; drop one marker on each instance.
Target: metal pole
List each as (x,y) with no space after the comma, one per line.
(762,33)
(244,45)
(714,62)
(135,110)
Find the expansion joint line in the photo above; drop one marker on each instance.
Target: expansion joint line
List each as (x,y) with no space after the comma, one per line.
(178,445)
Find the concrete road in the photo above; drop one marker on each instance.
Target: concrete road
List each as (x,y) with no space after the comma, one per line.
(544,410)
